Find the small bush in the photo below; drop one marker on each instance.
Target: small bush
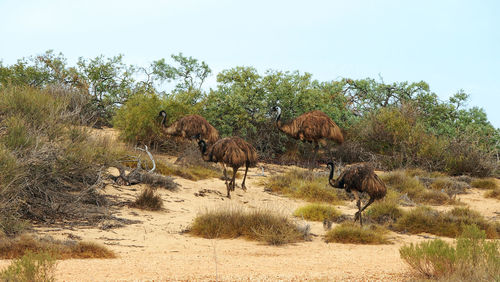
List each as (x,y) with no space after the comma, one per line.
(484,183)
(148,200)
(473,258)
(31,267)
(355,234)
(402,182)
(495,193)
(304,185)
(317,212)
(12,226)
(255,225)
(450,186)
(384,211)
(450,224)
(194,172)
(16,247)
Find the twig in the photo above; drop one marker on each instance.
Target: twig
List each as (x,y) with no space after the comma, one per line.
(150,156)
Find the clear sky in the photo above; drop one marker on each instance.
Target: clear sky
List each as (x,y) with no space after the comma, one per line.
(451,45)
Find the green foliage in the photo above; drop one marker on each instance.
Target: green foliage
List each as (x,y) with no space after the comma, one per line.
(257,225)
(352,233)
(450,224)
(384,211)
(473,258)
(303,184)
(317,212)
(31,267)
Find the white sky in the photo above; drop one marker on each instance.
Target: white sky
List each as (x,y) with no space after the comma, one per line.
(451,45)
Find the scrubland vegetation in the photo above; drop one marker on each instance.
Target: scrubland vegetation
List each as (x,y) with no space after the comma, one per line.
(471,259)
(317,212)
(260,225)
(353,233)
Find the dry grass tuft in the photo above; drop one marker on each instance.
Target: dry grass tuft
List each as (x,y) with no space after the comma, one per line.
(305,185)
(384,212)
(148,200)
(257,225)
(317,212)
(495,193)
(350,232)
(17,247)
(484,183)
(30,267)
(450,224)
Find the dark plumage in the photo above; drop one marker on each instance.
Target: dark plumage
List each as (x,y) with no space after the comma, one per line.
(314,127)
(231,151)
(191,126)
(359,178)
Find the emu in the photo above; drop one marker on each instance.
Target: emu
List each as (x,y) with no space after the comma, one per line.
(190,126)
(359,178)
(231,151)
(314,127)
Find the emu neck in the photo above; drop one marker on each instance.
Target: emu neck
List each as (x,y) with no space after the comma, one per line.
(331,174)
(164,121)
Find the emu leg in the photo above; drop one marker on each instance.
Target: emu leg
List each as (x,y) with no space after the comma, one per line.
(358,204)
(367,204)
(244,178)
(224,171)
(233,181)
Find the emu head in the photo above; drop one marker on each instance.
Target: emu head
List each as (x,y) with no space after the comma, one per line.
(164,115)
(277,109)
(331,166)
(203,149)
(337,183)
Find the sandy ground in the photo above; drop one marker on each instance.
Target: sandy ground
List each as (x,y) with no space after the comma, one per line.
(156,250)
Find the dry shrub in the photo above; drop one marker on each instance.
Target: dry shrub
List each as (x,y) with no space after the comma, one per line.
(450,186)
(450,224)
(484,183)
(194,172)
(350,232)
(494,193)
(403,183)
(19,246)
(305,185)
(31,267)
(257,225)
(148,200)
(473,258)
(51,166)
(317,212)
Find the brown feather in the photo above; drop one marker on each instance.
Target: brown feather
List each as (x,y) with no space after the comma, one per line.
(313,126)
(361,178)
(191,126)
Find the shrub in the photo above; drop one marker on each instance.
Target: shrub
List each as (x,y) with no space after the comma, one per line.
(194,172)
(48,159)
(303,185)
(317,212)
(148,200)
(31,267)
(384,211)
(257,225)
(353,233)
(450,224)
(473,258)
(403,183)
(20,245)
(495,193)
(11,225)
(484,183)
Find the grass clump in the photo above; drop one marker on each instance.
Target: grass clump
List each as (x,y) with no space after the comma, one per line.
(450,224)
(148,200)
(31,267)
(305,185)
(495,193)
(484,183)
(403,183)
(472,259)
(17,247)
(350,232)
(257,225)
(317,212)
(384,211)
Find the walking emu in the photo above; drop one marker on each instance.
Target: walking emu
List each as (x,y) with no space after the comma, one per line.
(359,178)
(231,151)
(314,127)
(191,126)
